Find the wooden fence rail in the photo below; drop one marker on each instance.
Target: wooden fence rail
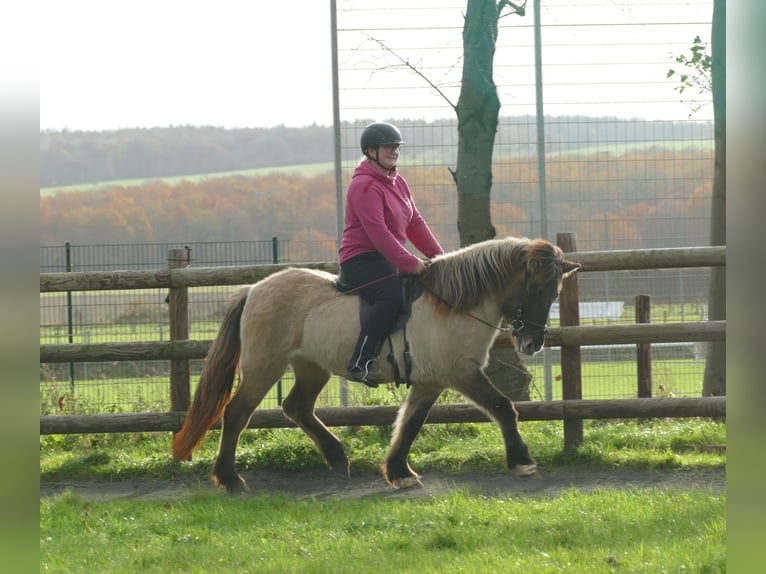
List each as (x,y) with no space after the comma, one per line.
(385,415)
(571,409)
(692,331)
(676,257)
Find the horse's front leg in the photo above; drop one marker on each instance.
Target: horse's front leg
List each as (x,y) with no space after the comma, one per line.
(476,386)
(409,420)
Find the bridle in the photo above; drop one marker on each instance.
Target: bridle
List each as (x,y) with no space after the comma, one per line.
(516,325)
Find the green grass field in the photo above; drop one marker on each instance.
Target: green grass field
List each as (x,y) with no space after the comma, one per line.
(314,169)
(603,531)
(304,170)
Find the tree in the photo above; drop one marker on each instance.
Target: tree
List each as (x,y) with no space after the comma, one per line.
(477,110)
(707,72)
(714,381)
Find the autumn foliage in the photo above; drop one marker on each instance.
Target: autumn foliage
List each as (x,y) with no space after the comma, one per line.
(656,198)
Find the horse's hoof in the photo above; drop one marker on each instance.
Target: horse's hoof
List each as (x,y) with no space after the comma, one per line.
(527,471)
(235,487)
(406,482)
(342,469)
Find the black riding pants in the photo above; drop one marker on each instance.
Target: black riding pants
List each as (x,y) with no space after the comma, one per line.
(379,282)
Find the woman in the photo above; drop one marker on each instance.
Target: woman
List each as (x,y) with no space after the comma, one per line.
(380,216)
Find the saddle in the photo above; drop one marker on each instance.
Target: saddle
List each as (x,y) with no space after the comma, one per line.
(412,288)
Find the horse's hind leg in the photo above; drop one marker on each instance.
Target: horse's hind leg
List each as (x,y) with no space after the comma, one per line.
(253,386)
(412,414)
(299,408)
(477,387)
(235,419)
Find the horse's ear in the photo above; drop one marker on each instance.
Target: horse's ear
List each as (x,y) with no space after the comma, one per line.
(569,268)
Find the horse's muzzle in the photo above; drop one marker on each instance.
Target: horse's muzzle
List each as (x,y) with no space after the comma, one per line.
(529,344)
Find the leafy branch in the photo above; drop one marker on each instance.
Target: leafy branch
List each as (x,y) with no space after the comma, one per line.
(698,66)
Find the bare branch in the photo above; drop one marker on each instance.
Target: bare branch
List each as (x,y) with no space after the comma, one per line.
(521,10)
(414,69)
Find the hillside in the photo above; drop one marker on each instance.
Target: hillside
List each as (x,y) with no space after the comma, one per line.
(656,198)
(81,158)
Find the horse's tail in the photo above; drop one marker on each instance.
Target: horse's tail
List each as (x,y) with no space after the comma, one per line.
(216,380)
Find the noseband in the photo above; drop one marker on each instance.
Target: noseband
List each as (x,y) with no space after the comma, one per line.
(518,324)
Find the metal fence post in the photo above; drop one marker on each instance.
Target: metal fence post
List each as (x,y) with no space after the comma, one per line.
(275,259)
(274,249)
(69,318)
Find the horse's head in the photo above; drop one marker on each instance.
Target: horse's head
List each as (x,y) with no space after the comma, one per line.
(527,311)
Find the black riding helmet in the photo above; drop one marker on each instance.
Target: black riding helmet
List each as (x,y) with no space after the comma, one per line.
(378,134)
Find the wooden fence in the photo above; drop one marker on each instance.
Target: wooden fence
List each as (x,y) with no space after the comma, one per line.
(569,336)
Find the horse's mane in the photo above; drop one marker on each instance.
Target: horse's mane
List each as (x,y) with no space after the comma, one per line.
(461,279)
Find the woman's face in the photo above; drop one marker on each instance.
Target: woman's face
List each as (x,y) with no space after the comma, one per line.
(388,155)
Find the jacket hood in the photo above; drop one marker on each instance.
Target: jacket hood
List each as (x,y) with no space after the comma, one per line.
(367,168)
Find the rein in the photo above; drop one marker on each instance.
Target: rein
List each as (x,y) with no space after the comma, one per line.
(516,325)
(471,315)
(373,282)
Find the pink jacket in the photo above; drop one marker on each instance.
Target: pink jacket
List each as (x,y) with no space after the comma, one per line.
(380,216)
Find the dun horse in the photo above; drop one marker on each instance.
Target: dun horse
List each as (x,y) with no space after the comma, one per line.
(297,317)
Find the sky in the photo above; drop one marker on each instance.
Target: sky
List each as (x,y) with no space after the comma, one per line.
(116,64)
(238,63)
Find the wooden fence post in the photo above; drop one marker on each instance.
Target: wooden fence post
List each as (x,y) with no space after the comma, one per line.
(571,366)
(644,350)
(178,308)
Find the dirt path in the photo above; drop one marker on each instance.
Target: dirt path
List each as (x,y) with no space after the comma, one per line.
(323,484)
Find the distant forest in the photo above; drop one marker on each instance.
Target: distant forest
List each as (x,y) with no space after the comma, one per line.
(639,199)
(84,157)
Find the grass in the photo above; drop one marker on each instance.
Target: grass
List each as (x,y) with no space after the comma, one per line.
(304,170)
(601,531)
(672,443)
(314,169)
(620,148)
(606,531)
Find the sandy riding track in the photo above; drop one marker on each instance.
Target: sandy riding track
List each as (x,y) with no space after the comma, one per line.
(323,484)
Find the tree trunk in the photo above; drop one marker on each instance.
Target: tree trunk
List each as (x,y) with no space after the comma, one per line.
(509,374)
(477,111)
(714,381)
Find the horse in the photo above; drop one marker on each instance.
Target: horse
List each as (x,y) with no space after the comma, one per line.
(298,317)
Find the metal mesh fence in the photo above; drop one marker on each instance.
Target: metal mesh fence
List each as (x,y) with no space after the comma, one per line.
(136,315)
(141,315)
(625,162)
(624,166)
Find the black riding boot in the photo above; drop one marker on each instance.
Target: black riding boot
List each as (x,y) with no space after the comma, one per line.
(380,285)
(363,368)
